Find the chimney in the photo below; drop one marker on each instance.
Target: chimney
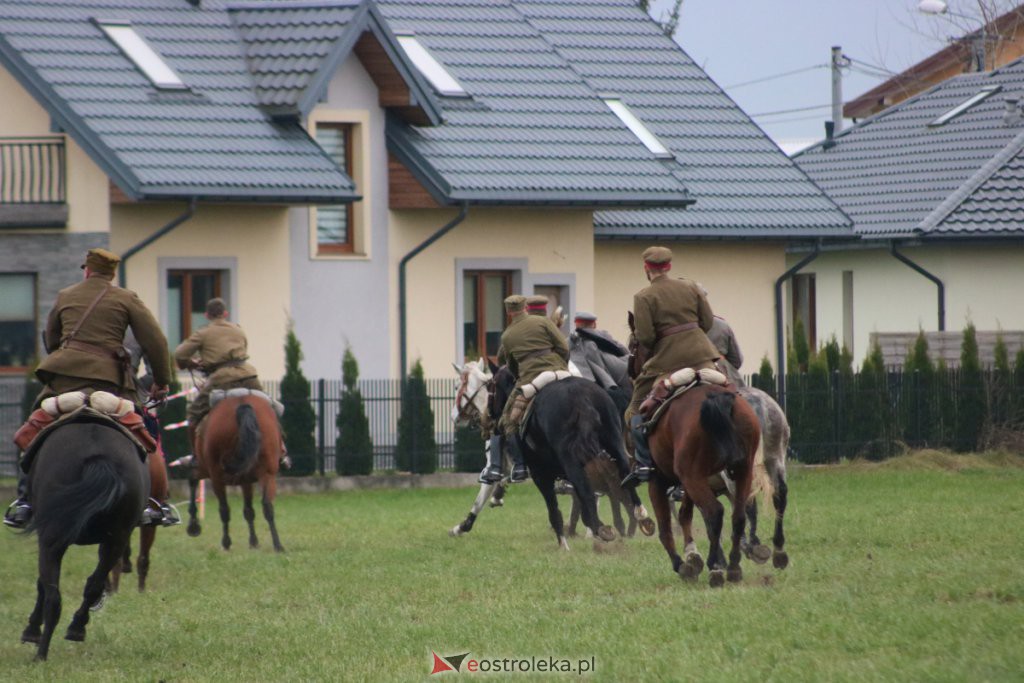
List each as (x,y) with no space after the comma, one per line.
(1012,116)
(830,142)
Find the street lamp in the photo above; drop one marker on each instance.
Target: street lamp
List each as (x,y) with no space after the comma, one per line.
(938,7)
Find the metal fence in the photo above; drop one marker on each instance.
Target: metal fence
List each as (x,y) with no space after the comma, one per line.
(382,401)
(32,170)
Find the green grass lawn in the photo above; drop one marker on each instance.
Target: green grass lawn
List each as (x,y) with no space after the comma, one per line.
(907,571)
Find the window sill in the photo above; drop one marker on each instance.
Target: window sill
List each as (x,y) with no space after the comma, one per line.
(340,256)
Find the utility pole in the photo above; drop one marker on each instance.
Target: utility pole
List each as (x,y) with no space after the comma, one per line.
(838,61)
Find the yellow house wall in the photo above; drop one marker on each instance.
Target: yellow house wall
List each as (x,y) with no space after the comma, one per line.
(983,284)
(550,241)
(256,236)
(740,279)
(87,186)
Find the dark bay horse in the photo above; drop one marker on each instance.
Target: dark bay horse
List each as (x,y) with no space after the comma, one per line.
(89,487)
(238,443)
(573,422)
(159,489)
(704,431)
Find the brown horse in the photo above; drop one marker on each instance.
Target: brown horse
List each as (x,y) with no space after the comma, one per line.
(238,443)
(159,489)
(704,431)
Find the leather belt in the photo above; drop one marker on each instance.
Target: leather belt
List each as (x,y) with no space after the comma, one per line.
(235,363)
(676,329)
(536,354)
(94,350)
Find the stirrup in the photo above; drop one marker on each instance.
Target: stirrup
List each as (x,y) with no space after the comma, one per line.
(490,475)
(676,494)
(519,474)
(18,514)
(638,476)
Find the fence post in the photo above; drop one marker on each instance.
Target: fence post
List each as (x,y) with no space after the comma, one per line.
(321,405)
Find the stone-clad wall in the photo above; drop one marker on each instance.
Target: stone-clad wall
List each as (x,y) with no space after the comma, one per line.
(54,258)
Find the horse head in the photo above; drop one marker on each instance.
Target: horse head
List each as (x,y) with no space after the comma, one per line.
(471,392)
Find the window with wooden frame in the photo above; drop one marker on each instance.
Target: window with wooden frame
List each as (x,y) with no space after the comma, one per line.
(334,224)
(483,316)
(18,348)
(187,294)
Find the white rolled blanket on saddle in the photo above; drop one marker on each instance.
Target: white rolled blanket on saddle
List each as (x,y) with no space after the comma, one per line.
(680,378)
(542,380)
(100,401)
(218,395)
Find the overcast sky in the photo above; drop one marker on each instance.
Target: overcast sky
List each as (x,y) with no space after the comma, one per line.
(737,41)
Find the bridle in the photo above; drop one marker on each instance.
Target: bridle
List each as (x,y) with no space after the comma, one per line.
(465,404)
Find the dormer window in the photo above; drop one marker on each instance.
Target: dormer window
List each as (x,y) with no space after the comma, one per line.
(144,57)
(981,96)
(641,131)
(444,83)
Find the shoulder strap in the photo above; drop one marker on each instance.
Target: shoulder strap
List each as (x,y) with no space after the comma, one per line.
(85,316)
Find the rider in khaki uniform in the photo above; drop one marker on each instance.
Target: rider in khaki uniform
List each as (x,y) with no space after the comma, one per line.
(223,352)
(531,344)
(84,336)
(672,318)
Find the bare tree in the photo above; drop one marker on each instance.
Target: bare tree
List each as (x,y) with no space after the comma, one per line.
(669,20)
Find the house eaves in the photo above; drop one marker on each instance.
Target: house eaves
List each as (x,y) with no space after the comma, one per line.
(207,142)
(299,93)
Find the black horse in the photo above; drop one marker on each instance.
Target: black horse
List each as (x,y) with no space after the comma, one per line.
(89,486)
(573,422)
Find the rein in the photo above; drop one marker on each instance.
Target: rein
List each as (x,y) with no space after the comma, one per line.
(461,394)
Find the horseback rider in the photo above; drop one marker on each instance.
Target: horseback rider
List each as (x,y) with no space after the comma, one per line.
(724,339)
(531,344)
(672,318)
(220,351)
(597,355)
(84,335)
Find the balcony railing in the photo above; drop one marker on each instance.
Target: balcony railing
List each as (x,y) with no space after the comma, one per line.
(32,170)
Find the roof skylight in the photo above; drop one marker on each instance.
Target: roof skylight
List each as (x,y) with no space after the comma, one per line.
(431,69)
(148,61)
(981,96)
(645,136)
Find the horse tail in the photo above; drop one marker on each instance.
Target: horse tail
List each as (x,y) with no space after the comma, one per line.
(716,421)
(66,514)
(583,430)
(249,440)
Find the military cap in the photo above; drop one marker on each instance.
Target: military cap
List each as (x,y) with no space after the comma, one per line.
(101,261)
(537,303)
(514,303)
(584,317)
(658,257)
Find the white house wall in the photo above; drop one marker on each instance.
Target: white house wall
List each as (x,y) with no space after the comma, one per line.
(982,283)
(341,300)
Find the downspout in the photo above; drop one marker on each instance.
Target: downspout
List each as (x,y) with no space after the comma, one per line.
(780,337)
(122,275)
(938,283)
(402,323)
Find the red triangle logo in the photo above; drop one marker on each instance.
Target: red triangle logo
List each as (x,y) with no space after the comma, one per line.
(440,666)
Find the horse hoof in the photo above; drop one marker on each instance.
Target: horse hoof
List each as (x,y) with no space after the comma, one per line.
(734,575)
(254,545)
(278,548)
(646,526)
(77,635)
(30,636)
(780,560)
(758,553)
(100,602)
(691,567)
(606,533)
(194,529)
(455,531)
(563,544)
(716,578)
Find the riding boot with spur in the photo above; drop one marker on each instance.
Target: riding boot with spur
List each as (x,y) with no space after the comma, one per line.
(158,513)
(492,473)
(20,511)
(642,453)
(515,449)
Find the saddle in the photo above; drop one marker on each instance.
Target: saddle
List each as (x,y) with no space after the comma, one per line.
(675,385)
(218,395)
(139,437)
